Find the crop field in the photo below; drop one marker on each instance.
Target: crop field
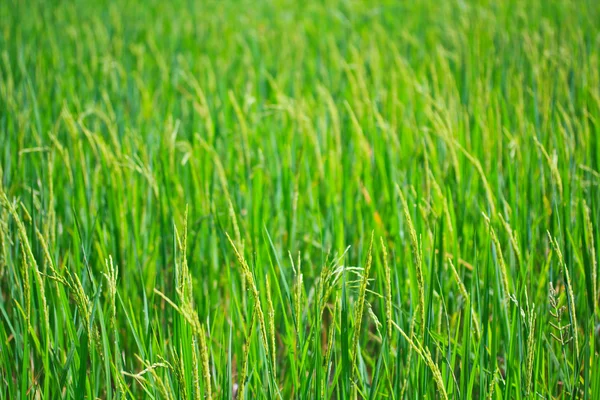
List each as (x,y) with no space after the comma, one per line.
(273,199)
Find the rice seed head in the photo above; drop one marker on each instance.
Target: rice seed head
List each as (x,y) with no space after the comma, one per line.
(204,355)
(298,294)
(271,314)
(553,164)
(589,233)
(255,294)
(440,194)
(374,318)
(157,379)
(570,296)
(513,239)
(111,274)
(477,164)
(416,251)
(426,356)
(361,300)
(530,349)
(84,304)
(31,262)
(330,345)
(179,370)
(195,368)
(465,294)
(501,263)
(246,351)
(388,289)
(572,310)
(496,378)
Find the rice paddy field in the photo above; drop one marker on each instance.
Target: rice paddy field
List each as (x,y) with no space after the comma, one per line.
(270,199)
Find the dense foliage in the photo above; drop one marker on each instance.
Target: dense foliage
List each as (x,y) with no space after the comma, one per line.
(277,199)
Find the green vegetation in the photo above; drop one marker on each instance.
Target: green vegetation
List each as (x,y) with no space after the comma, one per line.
(277,199)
